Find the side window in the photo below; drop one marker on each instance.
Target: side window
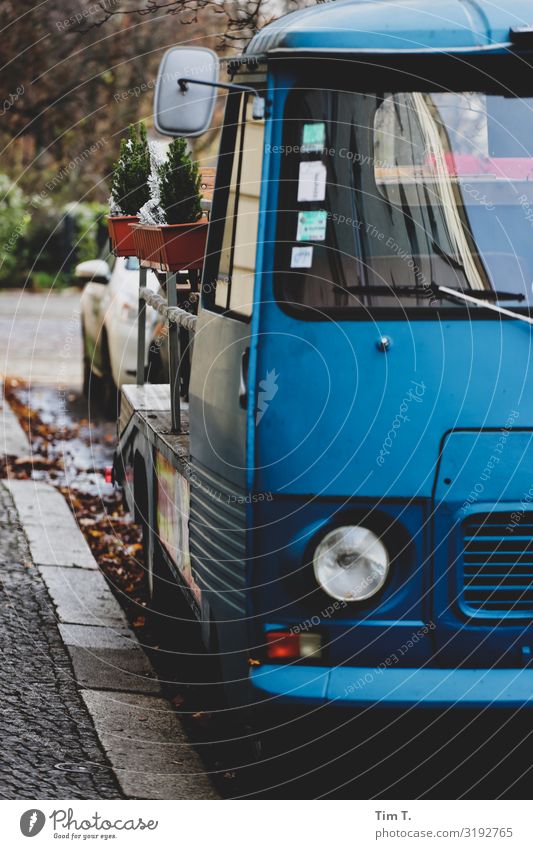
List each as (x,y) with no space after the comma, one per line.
(236,268)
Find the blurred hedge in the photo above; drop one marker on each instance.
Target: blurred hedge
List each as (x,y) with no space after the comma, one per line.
(40,243)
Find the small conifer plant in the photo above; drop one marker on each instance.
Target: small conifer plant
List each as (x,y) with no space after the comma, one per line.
(129,187)
(179,185)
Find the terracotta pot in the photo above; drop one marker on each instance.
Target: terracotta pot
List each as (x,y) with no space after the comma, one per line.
(148,245)
(171,247)
(121,235)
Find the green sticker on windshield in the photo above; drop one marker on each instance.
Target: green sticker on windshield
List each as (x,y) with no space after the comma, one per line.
(312,226)
(313,138)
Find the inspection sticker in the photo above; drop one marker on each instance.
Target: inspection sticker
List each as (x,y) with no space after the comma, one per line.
(312,226)
(312,181)
(302,257)
(313,138)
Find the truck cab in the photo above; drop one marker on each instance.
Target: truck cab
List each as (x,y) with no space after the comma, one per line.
(347,504)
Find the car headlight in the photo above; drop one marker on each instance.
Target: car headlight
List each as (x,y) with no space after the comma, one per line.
(351,563)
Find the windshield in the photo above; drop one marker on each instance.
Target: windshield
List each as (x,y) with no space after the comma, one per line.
(384,198)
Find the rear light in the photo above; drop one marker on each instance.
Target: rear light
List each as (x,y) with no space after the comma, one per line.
(285,645)
(108,474)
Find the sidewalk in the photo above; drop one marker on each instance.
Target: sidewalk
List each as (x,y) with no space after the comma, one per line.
(81,710)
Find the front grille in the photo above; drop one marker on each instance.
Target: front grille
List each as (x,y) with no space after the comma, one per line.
(498,564)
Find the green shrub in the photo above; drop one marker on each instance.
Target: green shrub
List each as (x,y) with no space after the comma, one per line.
(60,237)
(14,220)
(179,185)
(45,280)
(129,187)
(46,244)
(90,230)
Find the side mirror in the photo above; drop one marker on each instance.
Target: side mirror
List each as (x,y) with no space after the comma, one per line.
(180,111)
(95,270)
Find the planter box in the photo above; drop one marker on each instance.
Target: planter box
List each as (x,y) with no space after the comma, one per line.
(170,247)
(120,234)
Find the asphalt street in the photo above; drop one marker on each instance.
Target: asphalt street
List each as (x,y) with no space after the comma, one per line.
(40,337)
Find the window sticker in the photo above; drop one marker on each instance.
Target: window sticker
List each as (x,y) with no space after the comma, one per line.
(312,181)
(312,226)
(313,138)
(302,257)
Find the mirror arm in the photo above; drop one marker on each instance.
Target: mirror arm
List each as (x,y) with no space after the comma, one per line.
(258,111)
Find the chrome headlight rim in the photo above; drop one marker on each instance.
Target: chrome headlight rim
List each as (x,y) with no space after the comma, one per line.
(374,539)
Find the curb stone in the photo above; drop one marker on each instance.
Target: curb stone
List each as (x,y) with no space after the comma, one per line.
(13,440)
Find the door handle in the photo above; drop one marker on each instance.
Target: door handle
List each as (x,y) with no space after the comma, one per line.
(243,378)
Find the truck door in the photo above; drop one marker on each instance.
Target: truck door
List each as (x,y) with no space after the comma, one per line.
(218,388)
(218,392)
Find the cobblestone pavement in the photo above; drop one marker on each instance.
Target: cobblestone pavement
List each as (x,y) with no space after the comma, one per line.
(48,745)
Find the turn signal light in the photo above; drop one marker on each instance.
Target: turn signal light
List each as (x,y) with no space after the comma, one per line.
(285,645)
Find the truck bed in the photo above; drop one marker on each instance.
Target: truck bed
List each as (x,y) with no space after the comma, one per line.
(147,410)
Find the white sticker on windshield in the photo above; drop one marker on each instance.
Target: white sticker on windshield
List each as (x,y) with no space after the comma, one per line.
(302,257)
(312,226)
(312,181)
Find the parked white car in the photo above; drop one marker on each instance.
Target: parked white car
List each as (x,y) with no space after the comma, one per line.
(109,303)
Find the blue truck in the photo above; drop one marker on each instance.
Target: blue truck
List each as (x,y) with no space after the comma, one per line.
(346,496)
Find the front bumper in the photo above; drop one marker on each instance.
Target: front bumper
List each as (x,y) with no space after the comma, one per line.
(395,688)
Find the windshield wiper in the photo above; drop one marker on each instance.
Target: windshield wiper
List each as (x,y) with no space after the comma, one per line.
(429,292)
(480,293)
(388,291)
(454,294)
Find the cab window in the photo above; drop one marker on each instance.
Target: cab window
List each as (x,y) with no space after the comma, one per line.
(234,280)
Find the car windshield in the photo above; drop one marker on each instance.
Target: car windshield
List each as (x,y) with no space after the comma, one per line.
(384,198)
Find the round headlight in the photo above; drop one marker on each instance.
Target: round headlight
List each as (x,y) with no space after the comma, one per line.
(351,563)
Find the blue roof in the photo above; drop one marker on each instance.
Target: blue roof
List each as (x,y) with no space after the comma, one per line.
(397,25)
